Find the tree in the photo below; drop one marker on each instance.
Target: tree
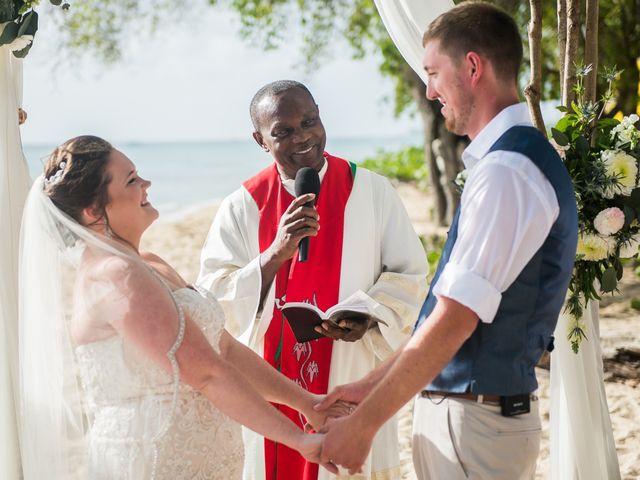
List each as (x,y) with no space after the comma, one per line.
(102,25)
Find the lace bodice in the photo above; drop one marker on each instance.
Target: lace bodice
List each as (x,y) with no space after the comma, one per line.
(130,400)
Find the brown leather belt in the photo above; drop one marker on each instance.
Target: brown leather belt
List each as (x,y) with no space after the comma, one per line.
(484,399)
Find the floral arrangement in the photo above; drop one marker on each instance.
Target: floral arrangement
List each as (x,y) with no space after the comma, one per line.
(19,23)
(601,155)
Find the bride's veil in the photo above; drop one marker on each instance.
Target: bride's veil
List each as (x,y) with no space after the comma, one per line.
(67,294)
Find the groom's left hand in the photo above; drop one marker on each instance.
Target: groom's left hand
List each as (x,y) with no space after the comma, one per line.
(346,443)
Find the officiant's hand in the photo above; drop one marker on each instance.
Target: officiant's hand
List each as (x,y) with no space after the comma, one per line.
(349,329)
(297,222)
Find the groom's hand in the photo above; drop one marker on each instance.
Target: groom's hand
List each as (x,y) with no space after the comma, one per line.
(317,418)
(350,393)
(346,443)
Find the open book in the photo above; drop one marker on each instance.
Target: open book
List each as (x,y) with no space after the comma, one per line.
(304,317)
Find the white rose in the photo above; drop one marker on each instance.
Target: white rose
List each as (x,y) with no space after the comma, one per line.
(609,221)
(630,249)
(592,247)
(622,166)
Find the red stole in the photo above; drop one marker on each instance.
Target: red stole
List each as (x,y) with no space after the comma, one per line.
(317,281)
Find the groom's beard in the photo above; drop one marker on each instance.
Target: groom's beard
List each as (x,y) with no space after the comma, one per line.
(456,121)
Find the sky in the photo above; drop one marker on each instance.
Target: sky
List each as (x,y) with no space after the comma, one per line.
(194,82)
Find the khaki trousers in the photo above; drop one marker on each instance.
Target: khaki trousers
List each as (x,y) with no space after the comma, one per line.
(457,439)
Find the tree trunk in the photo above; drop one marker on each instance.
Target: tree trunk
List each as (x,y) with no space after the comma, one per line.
(534,89)
(442,150)
(591,49)
(571,51)
(429,131)
(562,40)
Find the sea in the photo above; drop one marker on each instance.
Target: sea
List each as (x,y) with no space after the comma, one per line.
(187,176)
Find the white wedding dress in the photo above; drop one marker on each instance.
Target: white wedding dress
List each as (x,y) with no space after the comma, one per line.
(127,396)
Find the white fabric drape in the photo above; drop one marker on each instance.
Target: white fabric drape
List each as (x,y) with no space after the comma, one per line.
(581,436)
(406,21)
(14,185)
(582,444)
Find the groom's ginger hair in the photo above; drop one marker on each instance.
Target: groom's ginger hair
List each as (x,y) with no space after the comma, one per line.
(482,28)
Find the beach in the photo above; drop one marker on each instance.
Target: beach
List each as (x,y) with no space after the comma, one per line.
(180,239)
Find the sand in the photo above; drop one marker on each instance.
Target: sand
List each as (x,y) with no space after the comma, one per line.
(179,241)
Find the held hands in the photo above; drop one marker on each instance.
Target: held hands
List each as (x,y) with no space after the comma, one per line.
(346,442)
(296,223)
(349,329)
(310,447)
(317,418)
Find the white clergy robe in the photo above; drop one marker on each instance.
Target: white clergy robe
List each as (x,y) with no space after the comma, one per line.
(382,256)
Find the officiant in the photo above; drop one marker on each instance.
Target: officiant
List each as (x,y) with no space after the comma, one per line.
(360,239)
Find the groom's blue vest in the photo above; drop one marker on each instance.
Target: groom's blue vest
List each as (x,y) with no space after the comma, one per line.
(499,357)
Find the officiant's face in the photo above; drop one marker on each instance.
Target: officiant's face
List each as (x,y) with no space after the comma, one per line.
(128,209)
(291,129)
(446,82)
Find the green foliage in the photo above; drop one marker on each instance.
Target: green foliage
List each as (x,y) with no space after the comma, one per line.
(433,246)
(635,303)
(21,22)
(406,165)
(601,155)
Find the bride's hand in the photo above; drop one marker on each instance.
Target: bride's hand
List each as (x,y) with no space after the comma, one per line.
(316,419)
(310,447)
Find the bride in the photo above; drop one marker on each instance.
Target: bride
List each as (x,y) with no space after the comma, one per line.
(126,370)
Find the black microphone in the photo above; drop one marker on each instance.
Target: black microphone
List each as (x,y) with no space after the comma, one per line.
(307,181)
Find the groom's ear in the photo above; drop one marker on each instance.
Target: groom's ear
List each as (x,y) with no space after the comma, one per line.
(257,136)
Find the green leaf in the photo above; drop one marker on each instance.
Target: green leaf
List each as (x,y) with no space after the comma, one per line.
(576,109)
(9,34)
(582,146)
(566,122)
(560,138)
(619,269)
(629,215)
(607,123)
(562,108)
(23,53)
(609,281)
(633,200)
(28,24)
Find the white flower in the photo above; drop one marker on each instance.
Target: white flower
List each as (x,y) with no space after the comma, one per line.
(20,43)
(630,249)
(592,247)
(622,166)
(609,221)
(626,132)
(461,178)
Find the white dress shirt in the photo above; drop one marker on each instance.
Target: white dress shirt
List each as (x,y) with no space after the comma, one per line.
(507,210)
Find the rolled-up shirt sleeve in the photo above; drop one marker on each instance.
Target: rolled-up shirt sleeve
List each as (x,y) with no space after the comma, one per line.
(507,210)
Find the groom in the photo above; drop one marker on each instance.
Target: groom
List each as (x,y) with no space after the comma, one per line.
(501,282)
